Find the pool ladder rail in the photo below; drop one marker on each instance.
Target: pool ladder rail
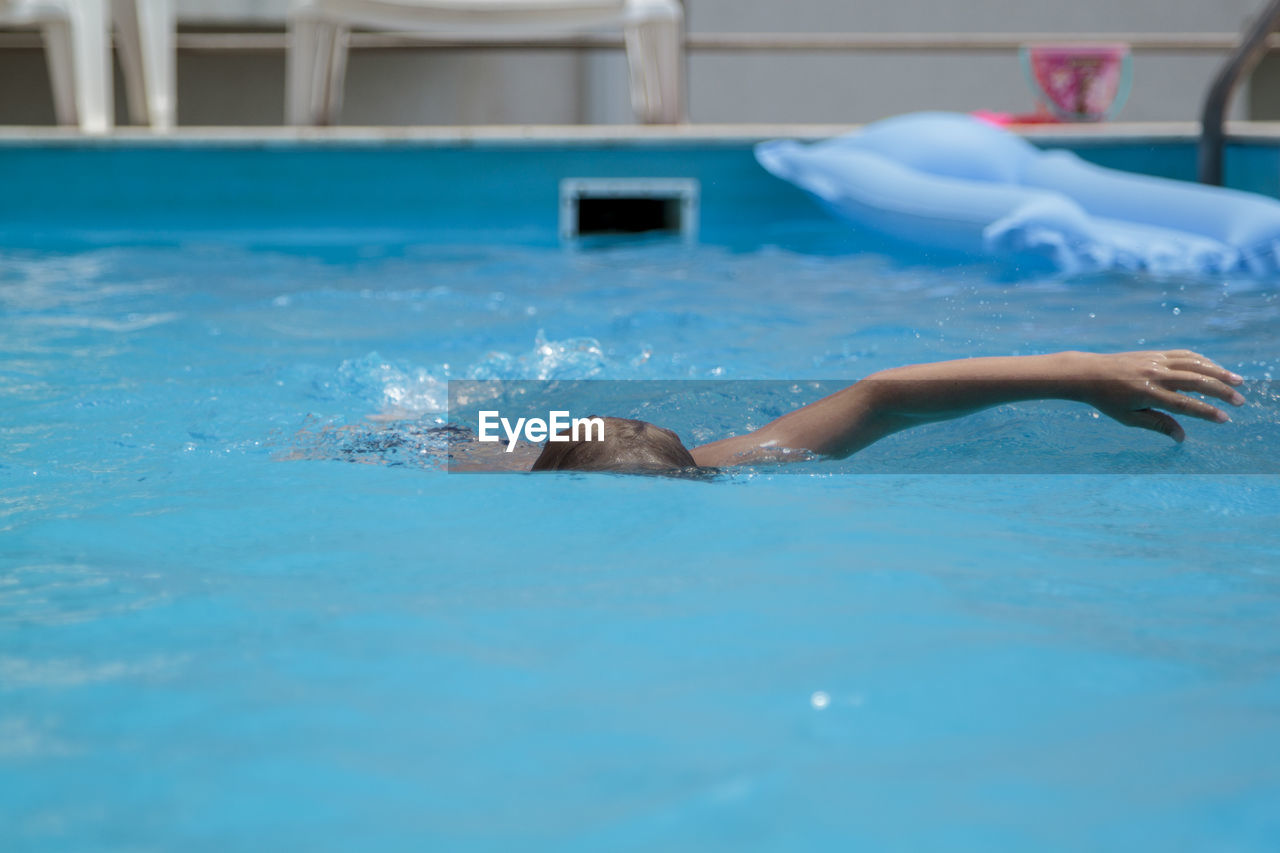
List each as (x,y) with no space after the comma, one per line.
(1238,65)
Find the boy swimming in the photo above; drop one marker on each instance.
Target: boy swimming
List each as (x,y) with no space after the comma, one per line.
(1137,389)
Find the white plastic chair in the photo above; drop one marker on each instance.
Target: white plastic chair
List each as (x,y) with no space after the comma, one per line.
(318,32)
(78,52)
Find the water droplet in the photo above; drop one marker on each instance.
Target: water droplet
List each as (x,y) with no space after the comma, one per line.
(819,700)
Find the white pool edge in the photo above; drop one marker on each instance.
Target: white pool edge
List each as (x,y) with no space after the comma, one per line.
(702,134)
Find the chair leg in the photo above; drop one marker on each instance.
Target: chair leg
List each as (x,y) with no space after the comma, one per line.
(299,70)
(129,49)
(58,56)
(92,65)
(146,46)
(655,59)
(338,38)
(311,96)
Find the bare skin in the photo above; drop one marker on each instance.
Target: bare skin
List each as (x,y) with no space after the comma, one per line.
(1130,387)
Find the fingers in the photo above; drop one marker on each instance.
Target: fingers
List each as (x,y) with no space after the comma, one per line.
(1209,386)
(1155,421)
(1175,402)
(1185,359)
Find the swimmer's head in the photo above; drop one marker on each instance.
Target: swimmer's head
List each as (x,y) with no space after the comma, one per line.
(627,446)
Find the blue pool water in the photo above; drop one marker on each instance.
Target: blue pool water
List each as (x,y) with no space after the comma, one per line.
(218,633)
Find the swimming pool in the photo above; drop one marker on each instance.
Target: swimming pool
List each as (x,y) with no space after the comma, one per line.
(207,642)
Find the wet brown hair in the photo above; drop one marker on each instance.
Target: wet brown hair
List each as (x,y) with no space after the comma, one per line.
(628,445)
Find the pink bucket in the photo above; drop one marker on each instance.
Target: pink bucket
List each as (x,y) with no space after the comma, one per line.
(1079,82)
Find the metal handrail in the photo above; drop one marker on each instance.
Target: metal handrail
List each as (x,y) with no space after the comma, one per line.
(1240,63)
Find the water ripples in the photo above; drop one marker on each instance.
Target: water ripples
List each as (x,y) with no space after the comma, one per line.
(68,593)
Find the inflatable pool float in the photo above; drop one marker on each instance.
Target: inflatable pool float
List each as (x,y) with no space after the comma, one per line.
(951,182)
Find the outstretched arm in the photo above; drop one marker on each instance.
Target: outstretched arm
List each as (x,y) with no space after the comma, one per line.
(1129,387)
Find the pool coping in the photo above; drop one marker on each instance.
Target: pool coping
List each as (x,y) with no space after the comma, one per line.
(1243,132)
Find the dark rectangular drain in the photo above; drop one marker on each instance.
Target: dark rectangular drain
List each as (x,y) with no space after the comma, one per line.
(602,206)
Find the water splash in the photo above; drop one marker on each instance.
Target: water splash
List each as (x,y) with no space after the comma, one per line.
(399,390)
(572,358)
(393,386)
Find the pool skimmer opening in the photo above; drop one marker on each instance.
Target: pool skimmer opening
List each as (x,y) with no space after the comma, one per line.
(611,206)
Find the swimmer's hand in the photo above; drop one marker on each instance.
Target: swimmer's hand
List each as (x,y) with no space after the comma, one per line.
(1131,387)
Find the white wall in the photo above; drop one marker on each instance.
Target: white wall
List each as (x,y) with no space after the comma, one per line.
(865,86)
(272,11)
(514,86)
